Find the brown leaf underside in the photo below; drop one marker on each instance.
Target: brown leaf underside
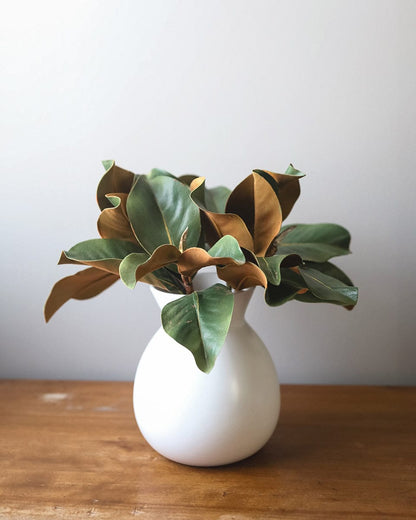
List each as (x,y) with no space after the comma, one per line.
(80,286)
(242,276)
(162,256)
(116,180)
(255,201)
(289,191)
(196,258)
(221,224)
(114,222)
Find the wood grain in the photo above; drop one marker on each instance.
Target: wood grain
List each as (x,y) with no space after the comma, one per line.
(72,450)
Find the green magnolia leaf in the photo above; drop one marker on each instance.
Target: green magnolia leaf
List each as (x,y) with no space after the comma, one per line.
(227,246)
(292,277)
(80,286)
(199,321)
(108,163)
(103,253)
(136,266)
(184,179)
(187,178)
(116,199)
(276,295)
(213,199)
(166,280)
(293,172)
(328,288)
(331,270)
(315,242)
(160,210)
(308,297)
(216,198)
(128,267)
(291,284)
(115,180)
(155,172)
(198,192)
(271,265)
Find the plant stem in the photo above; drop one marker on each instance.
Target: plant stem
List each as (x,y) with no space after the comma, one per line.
(187,283)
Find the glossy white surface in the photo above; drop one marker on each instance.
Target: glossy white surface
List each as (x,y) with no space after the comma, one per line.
(207,419)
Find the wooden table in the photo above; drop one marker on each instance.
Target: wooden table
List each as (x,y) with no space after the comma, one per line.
(73,450)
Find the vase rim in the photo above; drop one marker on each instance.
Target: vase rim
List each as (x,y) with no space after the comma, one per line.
(235,291)
(203,279)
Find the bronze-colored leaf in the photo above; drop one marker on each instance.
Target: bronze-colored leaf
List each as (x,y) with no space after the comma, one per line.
(225,251)
(242,276)
(162,256)
(80,286)
(196,258)
(230,224)
(135,266)
(115,180)
(221,224)
(288,186)
(255,201)
(113,222)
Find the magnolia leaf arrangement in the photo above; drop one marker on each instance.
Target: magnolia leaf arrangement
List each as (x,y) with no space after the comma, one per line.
(161,230)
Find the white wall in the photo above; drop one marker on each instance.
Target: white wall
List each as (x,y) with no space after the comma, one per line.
(214,88)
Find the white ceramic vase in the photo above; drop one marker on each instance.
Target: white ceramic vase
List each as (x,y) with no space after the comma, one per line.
(207,419)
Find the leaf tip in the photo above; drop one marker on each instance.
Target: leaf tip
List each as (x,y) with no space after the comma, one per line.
(108,164)
(291,170)
(63,258)
(46,316)
(128,281)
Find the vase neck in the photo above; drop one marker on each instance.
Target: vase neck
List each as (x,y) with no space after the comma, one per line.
(163,298)
(241,301)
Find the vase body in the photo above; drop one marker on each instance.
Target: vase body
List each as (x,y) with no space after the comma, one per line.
(207,419)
